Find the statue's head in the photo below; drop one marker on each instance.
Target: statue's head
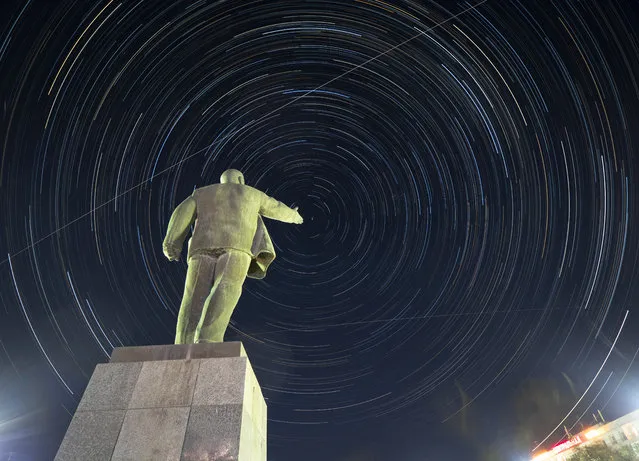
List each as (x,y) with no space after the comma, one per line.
(232,176)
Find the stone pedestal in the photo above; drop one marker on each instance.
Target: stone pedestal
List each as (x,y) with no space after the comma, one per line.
(191,402)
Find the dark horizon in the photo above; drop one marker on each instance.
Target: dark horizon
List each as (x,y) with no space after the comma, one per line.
(466,179)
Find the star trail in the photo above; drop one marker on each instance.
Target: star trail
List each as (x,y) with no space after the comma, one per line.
(466,172)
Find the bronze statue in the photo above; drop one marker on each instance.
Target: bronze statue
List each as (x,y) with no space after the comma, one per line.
(229,243)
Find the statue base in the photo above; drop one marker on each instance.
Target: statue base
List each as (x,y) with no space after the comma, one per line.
(187,402)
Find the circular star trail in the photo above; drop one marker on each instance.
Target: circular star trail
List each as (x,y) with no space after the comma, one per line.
(465,172)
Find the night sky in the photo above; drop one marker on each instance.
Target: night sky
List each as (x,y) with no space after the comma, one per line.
(467,174)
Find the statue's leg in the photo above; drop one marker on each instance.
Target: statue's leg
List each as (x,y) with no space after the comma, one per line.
(199,279)
(230,273)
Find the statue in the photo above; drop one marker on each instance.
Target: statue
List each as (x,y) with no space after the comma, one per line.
(229,243)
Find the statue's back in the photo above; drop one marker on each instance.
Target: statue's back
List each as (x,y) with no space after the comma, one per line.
(226,217)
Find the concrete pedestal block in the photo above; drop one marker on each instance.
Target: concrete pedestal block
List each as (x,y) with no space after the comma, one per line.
(195,402)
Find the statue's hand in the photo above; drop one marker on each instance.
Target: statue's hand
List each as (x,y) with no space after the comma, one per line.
(298,218)
(172,254)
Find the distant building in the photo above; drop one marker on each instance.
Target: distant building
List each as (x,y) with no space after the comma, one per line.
(622,432)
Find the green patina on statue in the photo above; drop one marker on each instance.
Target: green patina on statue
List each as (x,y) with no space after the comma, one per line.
(229,243)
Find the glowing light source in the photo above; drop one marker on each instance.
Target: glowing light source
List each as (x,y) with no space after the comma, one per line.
(591,434)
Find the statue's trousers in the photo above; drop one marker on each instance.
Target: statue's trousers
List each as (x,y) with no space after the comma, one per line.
(212,289)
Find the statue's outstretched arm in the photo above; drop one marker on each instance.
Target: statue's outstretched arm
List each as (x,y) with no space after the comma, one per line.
(271,208)
(181,220)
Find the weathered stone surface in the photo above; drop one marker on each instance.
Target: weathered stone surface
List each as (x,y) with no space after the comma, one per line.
(177,352)
(213,433)
(252,440)
(207,409)
(91,436)
(165,383)
(152,434)
(253,400)
(221,381)
(110,387)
